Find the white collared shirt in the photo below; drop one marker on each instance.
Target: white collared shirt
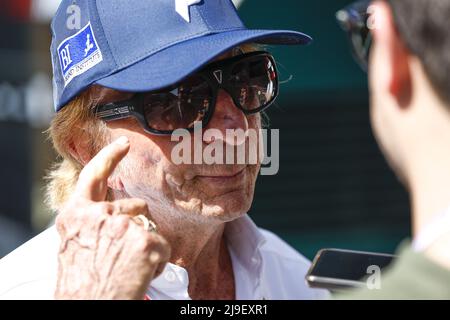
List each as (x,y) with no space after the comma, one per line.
(264,266)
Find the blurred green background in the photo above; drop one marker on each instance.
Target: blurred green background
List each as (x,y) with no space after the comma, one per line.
(334,188)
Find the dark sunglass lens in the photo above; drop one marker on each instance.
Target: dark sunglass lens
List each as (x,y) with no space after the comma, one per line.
(355,19)
(361,42)
(254,83)
(180,107)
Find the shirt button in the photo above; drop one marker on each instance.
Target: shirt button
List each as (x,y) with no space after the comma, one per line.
(170,276)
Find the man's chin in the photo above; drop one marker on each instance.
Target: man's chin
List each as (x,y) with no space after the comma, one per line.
(394,164)
(397,169)
(228,206)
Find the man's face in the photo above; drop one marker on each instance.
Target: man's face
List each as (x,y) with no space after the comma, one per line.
(220,192)
(379,99)
(386,113)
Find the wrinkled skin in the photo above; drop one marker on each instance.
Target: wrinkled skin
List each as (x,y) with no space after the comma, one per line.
(104,253)
(189,203)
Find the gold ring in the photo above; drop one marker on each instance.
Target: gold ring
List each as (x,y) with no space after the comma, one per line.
(148,224)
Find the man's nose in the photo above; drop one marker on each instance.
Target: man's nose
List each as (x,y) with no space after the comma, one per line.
(227,115)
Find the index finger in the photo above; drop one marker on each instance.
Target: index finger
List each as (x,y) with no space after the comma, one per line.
(93,179)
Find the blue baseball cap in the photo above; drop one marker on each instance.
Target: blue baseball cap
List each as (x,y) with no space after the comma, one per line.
(144,45)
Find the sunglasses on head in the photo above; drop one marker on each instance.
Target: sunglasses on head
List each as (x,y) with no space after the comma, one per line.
(250,79)
(355,19)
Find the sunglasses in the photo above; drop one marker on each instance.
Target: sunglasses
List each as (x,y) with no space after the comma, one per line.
(250,79)
(355,21)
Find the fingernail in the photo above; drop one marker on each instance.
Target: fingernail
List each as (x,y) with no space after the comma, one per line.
(155,257)
(122,140)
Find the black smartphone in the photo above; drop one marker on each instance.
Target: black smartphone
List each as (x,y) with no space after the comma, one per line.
(338,269)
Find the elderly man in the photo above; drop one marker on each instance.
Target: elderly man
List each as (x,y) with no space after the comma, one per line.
(131,73)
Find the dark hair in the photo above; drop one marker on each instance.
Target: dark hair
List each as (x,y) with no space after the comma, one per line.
(424,26)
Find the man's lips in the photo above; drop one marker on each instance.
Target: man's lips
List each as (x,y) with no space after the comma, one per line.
(224,175)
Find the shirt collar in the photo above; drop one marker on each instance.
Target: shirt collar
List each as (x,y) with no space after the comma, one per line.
(172,283)
(244,240)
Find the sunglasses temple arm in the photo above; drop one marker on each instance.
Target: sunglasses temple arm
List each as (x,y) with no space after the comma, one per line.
(114,111)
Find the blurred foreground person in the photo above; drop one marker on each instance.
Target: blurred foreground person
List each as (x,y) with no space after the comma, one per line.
(135,72)
(406,46)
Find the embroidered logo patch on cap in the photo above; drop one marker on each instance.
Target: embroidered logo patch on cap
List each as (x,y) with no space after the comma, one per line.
(79,53)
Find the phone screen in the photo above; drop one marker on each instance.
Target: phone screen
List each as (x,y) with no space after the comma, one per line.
(333,267)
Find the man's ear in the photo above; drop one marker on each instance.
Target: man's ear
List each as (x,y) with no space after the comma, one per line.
(397,75)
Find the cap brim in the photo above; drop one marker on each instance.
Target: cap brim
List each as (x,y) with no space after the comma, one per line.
(174,63)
